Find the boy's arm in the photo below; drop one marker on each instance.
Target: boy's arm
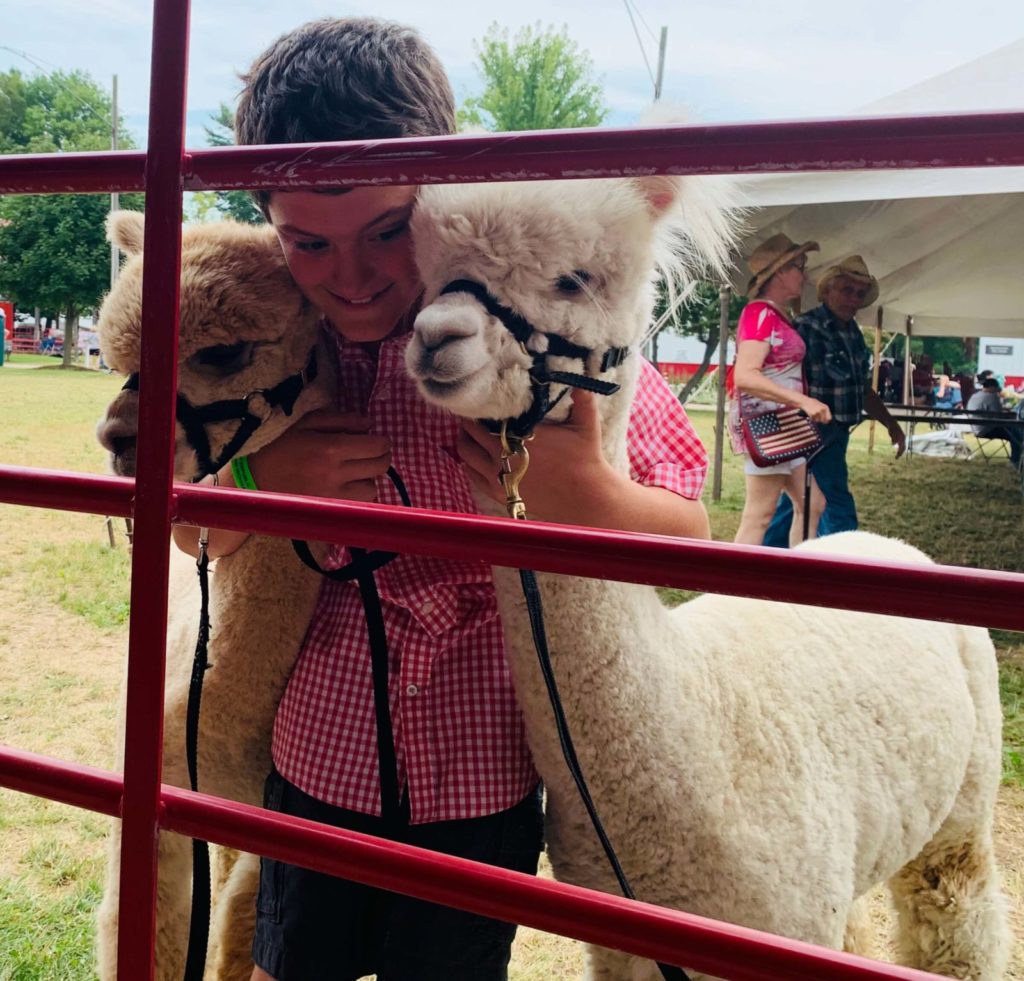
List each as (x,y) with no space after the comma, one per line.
(569,480)
(221,541)
(326,454)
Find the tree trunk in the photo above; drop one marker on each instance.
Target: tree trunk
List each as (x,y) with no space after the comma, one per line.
(710,346)
(70,336)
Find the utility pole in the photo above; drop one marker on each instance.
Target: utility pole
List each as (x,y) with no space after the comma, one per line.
(662,44)
(652,343)
(115,203)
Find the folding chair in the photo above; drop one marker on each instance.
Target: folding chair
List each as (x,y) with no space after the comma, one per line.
(991,447)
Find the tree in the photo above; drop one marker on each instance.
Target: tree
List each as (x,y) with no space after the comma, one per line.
(55,255)
(225,204)
(53,250)
(540,79)
(699,316)
(54,113)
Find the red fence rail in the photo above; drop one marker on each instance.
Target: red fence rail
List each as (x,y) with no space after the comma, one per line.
(164,171)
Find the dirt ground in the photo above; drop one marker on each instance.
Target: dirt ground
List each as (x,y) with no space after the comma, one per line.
(59,684)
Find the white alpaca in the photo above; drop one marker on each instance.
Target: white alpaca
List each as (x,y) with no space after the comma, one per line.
(761,763)
(244,328)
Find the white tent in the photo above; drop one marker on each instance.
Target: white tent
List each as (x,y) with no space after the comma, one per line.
(946,245)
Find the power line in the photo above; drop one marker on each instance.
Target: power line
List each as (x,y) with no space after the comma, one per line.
(654,37)
(639,41)
(40,66)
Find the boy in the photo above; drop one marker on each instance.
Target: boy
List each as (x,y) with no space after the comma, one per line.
(468,786)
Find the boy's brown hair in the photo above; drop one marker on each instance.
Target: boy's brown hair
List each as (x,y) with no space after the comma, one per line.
(353,78)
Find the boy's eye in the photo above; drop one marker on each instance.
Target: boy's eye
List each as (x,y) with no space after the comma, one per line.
(389,233)
(316,245)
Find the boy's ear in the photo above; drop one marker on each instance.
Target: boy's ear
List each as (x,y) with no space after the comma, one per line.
(125,230)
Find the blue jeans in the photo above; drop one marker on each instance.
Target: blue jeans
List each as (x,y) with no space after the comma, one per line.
(829,469)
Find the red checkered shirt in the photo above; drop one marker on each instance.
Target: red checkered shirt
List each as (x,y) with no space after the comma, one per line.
(459,735)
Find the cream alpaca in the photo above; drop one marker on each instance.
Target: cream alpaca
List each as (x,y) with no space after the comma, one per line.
(244,327)
(754,762)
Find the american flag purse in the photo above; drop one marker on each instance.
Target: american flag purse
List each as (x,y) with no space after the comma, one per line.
(780,435)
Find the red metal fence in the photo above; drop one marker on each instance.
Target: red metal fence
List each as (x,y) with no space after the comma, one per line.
(155,502)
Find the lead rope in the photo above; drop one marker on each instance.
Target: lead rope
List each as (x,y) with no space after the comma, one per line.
(199,919)
(362,567)
(510,477)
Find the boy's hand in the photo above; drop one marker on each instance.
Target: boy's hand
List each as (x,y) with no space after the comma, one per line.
(568,475)
(326,454)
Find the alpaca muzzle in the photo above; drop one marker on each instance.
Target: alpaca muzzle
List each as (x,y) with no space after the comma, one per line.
(250,411)
(540,345)
(118,432)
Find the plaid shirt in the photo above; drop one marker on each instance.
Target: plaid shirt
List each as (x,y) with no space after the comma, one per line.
(459,734)
(836,364)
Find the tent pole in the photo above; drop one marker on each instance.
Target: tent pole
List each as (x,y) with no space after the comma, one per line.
(907,381)
(874,373)
(724,293)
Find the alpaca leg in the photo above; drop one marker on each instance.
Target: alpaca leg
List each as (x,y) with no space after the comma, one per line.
(951,915)
(234,922)
(172,908)
(106,926)
(859,935)
(603,964)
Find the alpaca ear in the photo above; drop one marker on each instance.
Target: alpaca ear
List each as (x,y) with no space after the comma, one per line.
(125,230)
(661,192)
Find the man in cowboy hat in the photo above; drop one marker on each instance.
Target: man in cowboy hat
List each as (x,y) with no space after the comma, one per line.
(837,367)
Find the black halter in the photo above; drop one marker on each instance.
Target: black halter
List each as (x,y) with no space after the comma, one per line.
(541,377)
(252,411)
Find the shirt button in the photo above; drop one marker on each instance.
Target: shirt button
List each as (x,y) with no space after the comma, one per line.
(412,690)
(427,608)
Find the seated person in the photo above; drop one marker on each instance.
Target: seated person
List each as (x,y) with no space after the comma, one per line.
(946,393)
(987,400)
(884,377)
(922,381)
(967,388)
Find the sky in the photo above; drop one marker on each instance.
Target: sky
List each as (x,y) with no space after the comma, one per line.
(726,59)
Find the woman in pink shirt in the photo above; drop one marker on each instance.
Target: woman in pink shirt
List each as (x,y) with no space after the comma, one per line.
(768,374)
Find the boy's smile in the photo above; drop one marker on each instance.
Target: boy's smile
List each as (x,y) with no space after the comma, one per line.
(350,255)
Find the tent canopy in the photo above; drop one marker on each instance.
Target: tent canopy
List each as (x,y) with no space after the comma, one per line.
(947,246)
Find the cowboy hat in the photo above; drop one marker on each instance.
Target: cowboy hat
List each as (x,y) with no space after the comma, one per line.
(770,256)
(852,267)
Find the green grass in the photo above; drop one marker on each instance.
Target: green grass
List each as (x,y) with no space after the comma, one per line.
(961,513)
(21,360)
(46,931)
(1011,693)
(89,579)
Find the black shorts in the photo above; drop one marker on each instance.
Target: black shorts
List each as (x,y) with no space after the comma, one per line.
(315,927)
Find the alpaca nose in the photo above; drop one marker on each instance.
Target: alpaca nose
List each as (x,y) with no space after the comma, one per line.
(447,320)
(118,430)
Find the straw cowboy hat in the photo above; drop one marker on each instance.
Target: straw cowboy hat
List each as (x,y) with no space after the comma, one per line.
(770,256)
(855,268)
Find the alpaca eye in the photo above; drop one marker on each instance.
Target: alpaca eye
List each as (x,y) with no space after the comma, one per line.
(222,360)
(574,282)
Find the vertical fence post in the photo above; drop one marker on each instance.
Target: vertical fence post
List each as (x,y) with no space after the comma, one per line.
(874,373)
(724,295)
(153,500)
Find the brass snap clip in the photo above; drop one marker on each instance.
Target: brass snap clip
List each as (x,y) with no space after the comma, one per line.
(515,460)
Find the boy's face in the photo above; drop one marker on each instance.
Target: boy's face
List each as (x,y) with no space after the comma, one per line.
(351,255)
